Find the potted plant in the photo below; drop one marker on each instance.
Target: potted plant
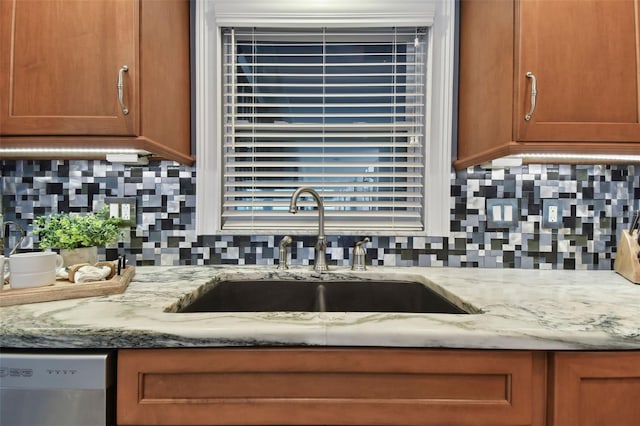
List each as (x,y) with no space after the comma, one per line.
(77,236)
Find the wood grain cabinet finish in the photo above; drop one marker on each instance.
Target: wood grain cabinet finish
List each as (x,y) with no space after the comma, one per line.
(585,57)
(60,62)
(594,389)
(336,386)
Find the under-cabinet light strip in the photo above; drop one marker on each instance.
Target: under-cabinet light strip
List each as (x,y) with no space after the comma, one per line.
(72,150)
(575,157)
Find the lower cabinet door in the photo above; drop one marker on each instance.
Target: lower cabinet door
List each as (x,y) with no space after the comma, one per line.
(595,389)
(336,386)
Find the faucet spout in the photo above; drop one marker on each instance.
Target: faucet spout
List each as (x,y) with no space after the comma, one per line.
(321,245)
(293,206)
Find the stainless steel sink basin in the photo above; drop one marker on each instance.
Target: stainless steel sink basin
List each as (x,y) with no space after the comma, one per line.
(321,296)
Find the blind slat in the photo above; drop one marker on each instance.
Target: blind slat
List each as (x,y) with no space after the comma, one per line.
(333,135)
(337,194)
(319,95)
(257,186)
(314,214)
(321,105)
(329,75)
(293,126)
(328,166)
(296,156)
(328,174)
(258,116)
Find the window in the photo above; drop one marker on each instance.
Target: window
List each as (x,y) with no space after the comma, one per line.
(338,110)
(345,109)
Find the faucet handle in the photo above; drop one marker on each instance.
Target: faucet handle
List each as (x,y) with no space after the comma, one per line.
(285,242)
(361,242)
(358,262)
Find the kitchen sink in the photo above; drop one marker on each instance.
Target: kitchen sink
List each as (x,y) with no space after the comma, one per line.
(320,296)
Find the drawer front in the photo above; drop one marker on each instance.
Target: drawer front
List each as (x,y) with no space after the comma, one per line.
(329,387)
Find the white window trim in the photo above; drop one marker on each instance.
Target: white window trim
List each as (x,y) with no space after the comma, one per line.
(210,15)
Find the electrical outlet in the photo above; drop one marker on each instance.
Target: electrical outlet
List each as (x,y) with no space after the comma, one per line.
(123,208)
(502,212)
(551,214)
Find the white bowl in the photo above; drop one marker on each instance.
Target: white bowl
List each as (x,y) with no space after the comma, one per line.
(37,279)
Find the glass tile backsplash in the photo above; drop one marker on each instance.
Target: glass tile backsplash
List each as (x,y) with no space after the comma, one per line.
(597,202)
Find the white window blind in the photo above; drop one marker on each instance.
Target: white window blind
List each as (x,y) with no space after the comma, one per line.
(339,110)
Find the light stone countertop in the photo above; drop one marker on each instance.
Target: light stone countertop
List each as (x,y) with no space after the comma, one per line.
(521,309)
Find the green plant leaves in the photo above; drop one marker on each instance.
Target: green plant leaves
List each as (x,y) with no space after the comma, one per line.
(69,231)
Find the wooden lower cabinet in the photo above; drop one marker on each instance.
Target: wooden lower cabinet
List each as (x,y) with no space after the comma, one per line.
(335,386)
(594,389)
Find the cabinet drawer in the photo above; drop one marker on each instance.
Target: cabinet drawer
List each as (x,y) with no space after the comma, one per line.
(329,386)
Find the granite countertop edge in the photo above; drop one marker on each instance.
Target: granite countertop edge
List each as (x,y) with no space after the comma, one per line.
(521,309)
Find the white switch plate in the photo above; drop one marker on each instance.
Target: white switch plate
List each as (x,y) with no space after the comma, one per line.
(502,213)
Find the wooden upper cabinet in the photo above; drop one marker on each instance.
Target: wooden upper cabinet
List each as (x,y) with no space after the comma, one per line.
(585,58)
(584,55)
(63,63)
(63,82)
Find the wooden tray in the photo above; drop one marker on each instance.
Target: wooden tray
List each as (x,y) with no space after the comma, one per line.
(67,290)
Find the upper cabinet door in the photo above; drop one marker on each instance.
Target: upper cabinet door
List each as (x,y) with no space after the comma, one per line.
(60,65)
(585,57)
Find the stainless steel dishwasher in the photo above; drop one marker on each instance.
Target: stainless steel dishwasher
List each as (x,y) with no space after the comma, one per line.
(57,388)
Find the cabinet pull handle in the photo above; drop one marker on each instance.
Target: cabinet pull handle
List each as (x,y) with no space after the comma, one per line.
(120,87)
(534,92)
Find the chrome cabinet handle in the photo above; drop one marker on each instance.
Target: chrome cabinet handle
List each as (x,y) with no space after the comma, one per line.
(120,87)
(534,92)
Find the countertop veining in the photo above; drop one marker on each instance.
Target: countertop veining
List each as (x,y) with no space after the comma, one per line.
(521,309)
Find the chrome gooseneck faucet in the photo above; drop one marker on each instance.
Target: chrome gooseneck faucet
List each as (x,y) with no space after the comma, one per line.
(321,245)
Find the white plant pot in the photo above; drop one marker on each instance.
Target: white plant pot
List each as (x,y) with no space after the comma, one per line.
(79,255)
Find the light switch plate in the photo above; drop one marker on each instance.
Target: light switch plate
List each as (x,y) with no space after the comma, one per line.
(123,208)
(502,213)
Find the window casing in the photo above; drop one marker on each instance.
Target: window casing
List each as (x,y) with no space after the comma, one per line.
(346,109)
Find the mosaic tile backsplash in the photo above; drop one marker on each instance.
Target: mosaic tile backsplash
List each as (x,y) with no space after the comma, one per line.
(597,202)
